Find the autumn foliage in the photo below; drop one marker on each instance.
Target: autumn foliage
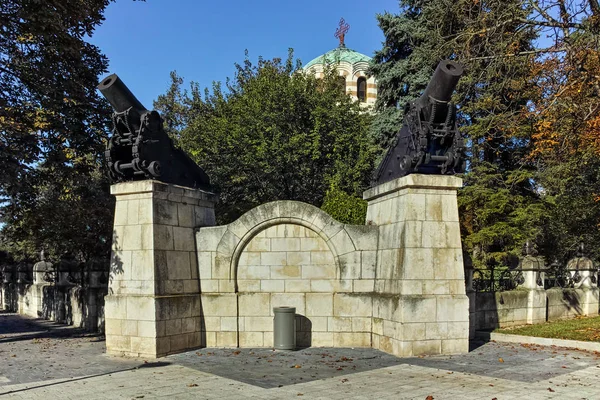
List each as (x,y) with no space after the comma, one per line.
(529,108)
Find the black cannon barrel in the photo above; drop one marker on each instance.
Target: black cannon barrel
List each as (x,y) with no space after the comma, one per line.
(443,82)
(118,94)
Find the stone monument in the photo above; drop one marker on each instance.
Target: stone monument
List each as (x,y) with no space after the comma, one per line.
(153,306)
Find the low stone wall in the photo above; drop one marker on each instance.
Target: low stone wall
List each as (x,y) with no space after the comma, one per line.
(569,303)
(503,309)
(72,305)
(491,310)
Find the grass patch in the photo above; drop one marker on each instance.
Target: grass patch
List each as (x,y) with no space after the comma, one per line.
(580,328)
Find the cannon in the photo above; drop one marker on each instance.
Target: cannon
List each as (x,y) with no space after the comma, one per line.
(139,147)
(429,141)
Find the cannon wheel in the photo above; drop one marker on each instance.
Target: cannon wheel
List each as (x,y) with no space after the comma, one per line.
(154,168)
(406,163)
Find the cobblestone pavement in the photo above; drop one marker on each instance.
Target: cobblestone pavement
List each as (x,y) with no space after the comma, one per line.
(53,361)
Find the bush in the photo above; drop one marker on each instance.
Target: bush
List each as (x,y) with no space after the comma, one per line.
(344,207)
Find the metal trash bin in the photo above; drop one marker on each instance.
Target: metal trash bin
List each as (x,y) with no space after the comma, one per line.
(284,328)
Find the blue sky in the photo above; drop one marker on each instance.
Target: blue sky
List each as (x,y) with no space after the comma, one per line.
(202,40)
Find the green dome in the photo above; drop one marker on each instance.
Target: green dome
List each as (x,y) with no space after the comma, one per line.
(339,54)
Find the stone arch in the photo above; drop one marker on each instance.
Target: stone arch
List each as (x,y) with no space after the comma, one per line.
(240,232)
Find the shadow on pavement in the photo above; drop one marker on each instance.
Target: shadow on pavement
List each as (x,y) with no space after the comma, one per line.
(17,328)
(145,365)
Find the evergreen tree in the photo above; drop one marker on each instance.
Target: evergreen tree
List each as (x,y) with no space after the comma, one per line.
(500,205)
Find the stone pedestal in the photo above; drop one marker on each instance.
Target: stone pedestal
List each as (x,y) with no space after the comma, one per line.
(420,306)
(153,305)
(583,274)
(532,268)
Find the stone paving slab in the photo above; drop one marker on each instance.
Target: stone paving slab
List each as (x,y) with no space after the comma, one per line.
(514,361)
(36,350)
(397,382)
(268,368)
(69,364)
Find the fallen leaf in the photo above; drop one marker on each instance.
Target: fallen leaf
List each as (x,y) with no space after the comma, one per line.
(300,394)
(344,380)
(430,397)
(236,352)
(297,366)
(192,385)
(551,390)
(500,359)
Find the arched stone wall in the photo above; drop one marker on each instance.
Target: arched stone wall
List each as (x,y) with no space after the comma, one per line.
(396,284)
(287,253)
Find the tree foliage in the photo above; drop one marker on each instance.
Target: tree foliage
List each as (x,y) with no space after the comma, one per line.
(498,202)
(566,128)
(528,105)
(52,129)
(275,133)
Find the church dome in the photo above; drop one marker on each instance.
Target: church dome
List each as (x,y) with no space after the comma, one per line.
(351,66)
(339,55)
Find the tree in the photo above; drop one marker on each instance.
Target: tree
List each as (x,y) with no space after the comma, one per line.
(566,117)
(277,133)
(173,107)
(53,127)
(529,103)
(500,204)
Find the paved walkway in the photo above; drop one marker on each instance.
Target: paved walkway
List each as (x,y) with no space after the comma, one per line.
(39,359)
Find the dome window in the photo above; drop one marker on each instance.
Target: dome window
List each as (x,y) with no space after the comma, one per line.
(362,89)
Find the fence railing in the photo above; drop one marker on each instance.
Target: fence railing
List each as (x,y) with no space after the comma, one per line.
(572,275)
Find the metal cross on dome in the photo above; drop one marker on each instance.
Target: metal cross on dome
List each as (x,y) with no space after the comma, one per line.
(340,32)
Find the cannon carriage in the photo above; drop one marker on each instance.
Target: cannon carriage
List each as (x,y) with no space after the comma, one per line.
(139,148)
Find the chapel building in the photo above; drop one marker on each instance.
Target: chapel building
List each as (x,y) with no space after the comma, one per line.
(351,66)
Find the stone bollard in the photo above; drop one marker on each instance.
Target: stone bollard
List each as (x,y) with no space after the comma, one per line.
(42,288)
(582,273)
(532,269)
(68,278)
(96,287)
(9,294)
